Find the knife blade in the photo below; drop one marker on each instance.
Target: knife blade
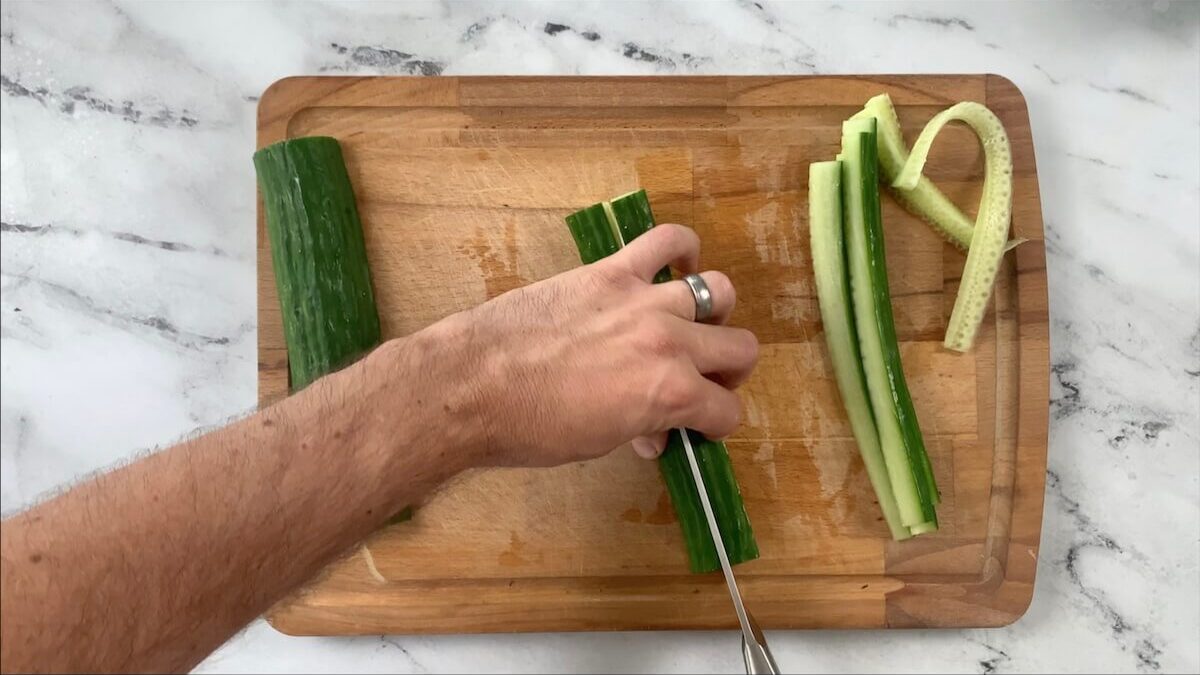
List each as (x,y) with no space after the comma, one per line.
(754,646)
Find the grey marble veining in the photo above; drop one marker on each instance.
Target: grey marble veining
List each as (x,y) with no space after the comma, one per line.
(127,272)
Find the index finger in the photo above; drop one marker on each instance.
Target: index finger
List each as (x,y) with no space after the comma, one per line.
(665,245)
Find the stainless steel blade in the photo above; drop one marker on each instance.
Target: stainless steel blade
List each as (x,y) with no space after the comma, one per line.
(754,645)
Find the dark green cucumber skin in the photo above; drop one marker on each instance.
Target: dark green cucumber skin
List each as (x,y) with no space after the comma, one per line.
(723,494)
(319,257)
(914,443)
(592,234)
(403,516)
(635,218)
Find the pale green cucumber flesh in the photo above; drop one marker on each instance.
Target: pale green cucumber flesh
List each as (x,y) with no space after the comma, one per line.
(923,528)
(901,447)
(924,199)
(989,239)
(837,319)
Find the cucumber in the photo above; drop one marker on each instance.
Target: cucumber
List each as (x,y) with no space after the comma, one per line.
(723,494)
(319,257)
(922,199)
(320,260)
(600,230)
(989,239)
(837,318)
(903,447)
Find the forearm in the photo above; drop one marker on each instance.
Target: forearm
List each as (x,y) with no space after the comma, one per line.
(152,566)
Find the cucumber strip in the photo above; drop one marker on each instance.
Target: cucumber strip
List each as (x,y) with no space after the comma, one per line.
(899,434)
(990,237)
(632,217)
(724,495)
(923,199)
(598,231)
(923,528)
(837,318)
(592,234)
(318,255)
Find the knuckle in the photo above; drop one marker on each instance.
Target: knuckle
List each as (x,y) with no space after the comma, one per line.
(657,339)
(610,273)
(721,287)
(735,413)
(659,344)
(675,236)
(667,232)
(748,344)
(673,394)
(728,416)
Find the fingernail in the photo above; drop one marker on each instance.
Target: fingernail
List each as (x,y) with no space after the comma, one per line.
(644,448)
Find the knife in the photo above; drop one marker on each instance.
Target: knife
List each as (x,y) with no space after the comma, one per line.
(754,645)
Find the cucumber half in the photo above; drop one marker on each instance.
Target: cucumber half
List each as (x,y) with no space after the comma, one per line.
(599,231)
(318,256)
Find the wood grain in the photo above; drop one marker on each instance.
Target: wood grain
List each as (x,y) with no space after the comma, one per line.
(463,183)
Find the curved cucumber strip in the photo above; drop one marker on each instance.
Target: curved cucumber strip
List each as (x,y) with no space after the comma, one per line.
(989,240)
(923,199)
(900,436)
(837,317)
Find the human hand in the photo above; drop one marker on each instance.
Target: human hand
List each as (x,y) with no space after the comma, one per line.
(574,366)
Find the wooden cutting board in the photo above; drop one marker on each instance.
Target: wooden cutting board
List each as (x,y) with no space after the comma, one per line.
(462,184)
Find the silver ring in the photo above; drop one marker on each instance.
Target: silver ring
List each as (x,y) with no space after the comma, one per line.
(703,296)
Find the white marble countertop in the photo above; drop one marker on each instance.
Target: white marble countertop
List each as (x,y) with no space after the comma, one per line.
(127,273)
